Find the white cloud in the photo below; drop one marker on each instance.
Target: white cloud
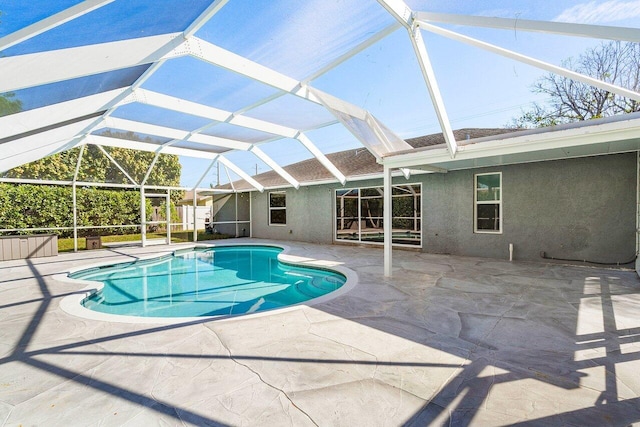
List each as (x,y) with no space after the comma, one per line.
(595,12)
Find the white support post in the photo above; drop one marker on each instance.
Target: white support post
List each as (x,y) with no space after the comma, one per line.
(342,212)
(75,218)
(75,201)
(168,216)
(637,212)
(250,215)
(143,217)
(236,199)
(195,216)
(415,211)
(387,212)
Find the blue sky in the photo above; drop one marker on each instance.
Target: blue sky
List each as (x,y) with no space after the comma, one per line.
(480,89)
(297,37)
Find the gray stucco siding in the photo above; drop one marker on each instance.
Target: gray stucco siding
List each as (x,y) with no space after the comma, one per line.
(582,208)
(309,215)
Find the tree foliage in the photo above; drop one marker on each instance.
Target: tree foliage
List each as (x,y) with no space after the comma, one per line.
(39,206)
(96,166)
(60,167)
(9,104)
(617,63)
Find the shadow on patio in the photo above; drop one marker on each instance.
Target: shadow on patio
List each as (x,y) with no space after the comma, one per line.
(447,341)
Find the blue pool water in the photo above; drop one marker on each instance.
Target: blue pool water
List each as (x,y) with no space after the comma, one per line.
(206,282)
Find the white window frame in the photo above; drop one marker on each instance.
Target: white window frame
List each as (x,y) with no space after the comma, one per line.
(477,202)
(269,208)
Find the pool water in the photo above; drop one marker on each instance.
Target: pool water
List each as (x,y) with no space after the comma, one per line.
(216,281)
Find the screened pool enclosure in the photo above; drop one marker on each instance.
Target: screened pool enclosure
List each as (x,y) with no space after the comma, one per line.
(233,87)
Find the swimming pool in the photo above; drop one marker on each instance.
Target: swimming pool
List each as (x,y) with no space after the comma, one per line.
(219,281)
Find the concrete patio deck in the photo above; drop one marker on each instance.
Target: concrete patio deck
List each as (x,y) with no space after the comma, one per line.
(447,341)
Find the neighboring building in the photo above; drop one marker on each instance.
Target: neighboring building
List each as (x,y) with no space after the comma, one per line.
(216,213)
(577,208)
(202,199)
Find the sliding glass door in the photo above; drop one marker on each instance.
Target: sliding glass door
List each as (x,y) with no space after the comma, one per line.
(359,215)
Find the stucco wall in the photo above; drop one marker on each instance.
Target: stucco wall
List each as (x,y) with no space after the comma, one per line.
(309,215)
(577,209)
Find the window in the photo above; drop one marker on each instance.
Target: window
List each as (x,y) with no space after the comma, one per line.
(278,208)
(488,203)
(359,215)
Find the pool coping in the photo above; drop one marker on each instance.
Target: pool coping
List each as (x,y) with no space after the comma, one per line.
(72,304)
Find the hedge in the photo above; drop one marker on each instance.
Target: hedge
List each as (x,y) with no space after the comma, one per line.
(34,206)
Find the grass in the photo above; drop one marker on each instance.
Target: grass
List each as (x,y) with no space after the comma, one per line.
(66,244)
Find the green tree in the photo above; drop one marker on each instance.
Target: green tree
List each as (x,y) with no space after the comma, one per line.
(617,63)
(57,167)
(35,206)
(166,171)
(96,166)
(9,104)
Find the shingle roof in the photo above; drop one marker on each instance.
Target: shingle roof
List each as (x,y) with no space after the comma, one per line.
(355,162)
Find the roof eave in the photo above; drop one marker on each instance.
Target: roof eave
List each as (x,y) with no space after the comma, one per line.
(604,132)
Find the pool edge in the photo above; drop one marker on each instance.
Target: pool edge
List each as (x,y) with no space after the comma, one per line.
(72,304)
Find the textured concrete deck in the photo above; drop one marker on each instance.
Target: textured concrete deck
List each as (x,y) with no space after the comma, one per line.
(446,341)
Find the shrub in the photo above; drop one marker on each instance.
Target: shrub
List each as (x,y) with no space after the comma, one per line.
(35,206)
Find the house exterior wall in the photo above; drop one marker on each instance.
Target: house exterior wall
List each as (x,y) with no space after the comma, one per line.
(573,209)
(309,215)
(583,208)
